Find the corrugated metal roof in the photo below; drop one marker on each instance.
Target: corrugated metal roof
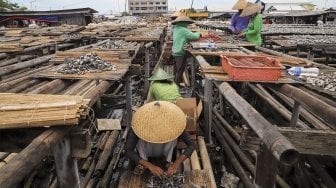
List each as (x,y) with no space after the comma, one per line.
(287,7)
(285,1)
(52,12)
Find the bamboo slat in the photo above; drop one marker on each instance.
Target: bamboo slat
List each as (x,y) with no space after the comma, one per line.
(37,110)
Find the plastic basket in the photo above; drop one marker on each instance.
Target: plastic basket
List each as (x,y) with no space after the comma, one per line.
(271,70)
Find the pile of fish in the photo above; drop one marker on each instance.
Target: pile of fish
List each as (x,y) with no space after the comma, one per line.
(327,81)
(86,63)
(175,181)
(297,29)
(71,36)
(312,39)
(119,44)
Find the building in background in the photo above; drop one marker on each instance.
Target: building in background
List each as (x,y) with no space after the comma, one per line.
(145,7)
(80,16)
(288,5)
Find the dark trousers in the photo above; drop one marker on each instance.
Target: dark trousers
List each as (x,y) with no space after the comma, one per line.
(180,65)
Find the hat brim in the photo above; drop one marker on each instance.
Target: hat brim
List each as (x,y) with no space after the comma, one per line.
(188,22)
(250,10)
(159,122)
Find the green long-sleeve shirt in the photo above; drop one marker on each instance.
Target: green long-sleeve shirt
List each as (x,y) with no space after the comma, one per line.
(253,32)
(181,35)
(164,91)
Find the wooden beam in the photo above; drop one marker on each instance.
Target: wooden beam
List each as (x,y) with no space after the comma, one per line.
(313,104)
(22,164)
(281,148)
(66,166)
(306,141)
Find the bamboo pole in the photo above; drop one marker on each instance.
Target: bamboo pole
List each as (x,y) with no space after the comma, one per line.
(275,104)
(304,113)
(25,64)
(51,87)
(107,152)
(15,60)
(206,160)
(195,164)
(281,148)
(313,104)
(233,159)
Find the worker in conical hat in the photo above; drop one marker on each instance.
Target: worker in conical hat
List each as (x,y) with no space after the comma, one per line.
(156,126)
(253,31)
(238,23)
(163,87)
(181,35)
(175,15)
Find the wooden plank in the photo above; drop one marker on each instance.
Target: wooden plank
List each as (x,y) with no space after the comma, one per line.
(66,166)
(306,141)
(108,124)
(22,164)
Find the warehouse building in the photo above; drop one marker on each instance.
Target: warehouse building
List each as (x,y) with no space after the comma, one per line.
(143,7)
(81,16)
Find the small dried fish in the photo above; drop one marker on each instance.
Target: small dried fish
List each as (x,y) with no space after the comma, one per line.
(175,181)
(327,81)
(119,44)
(86,63)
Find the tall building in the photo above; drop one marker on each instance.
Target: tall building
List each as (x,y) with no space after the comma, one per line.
(141,7)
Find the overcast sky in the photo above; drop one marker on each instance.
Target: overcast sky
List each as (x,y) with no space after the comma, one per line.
(106,6)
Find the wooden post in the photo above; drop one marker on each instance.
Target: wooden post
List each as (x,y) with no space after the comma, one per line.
(128,99)
(99,104)
(66,166)
(193,75)
(147,70)
(208,109)
(295,114)
(266,169)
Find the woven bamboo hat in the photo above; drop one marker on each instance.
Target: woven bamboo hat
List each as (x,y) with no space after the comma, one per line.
(159,122)
(250,9)
(160,74)
(182,18)
(175,14)
(240,4)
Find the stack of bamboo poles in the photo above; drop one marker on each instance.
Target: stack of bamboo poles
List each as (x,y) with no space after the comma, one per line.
(36,110)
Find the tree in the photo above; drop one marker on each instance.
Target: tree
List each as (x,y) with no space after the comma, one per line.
(6,5)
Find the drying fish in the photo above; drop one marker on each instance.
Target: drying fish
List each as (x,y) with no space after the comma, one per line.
(119,44)
(327,81)
(86,63)
(175,181)
(71,36)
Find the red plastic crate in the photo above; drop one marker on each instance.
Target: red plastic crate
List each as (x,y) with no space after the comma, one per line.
(270,72)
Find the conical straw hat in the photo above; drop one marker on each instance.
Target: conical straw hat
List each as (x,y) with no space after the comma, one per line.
(159,122)
(160,74)
(250,9)
(240,4)
(175,14)
(182,18)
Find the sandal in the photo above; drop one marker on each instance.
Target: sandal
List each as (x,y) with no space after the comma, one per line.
(139,169)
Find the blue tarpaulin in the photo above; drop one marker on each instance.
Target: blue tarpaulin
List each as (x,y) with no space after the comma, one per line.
(35,18)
